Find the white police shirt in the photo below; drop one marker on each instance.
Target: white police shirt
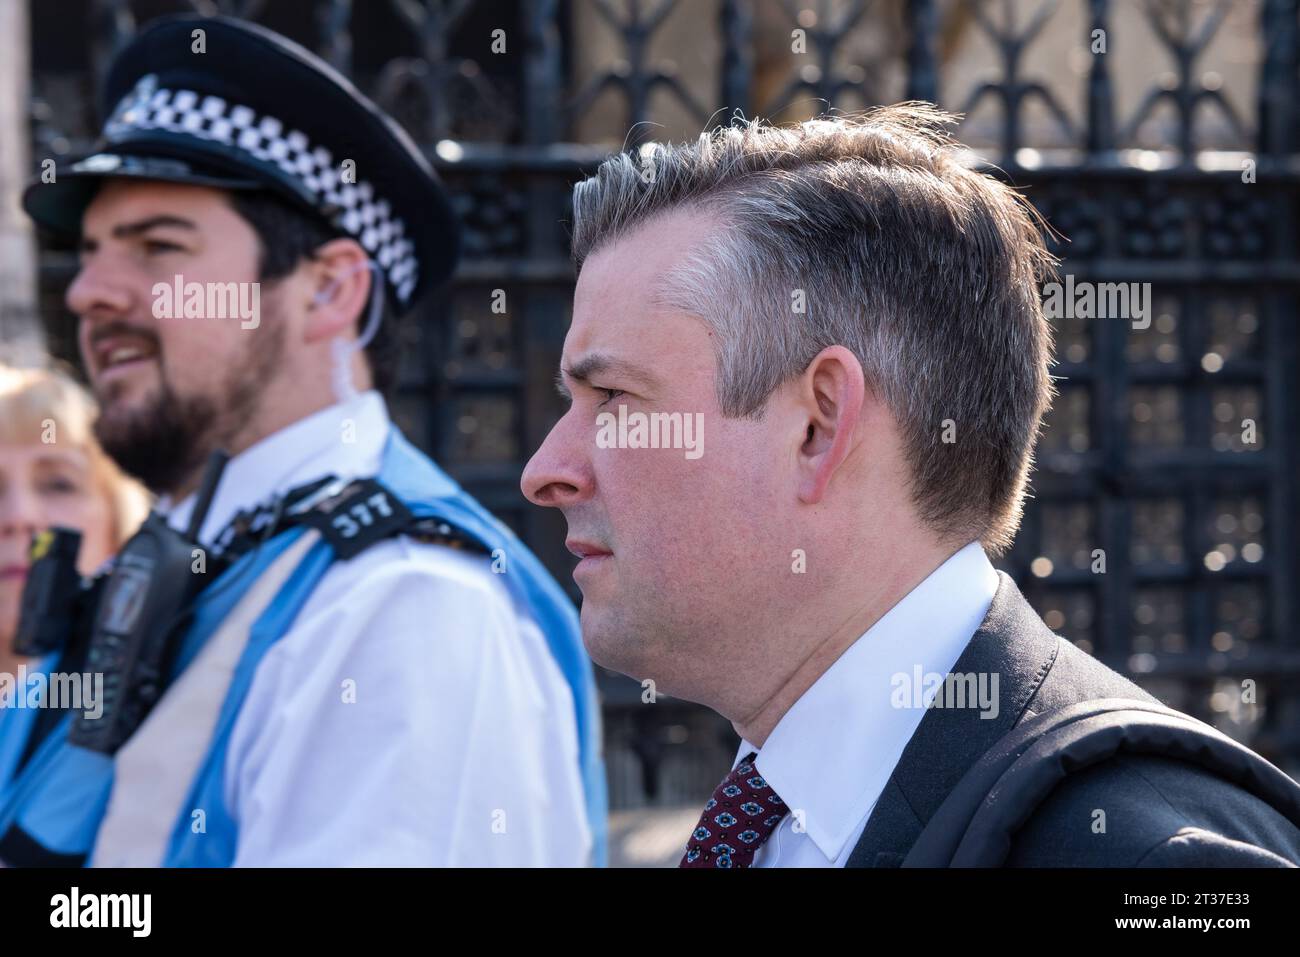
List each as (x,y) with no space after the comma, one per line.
(831,755)
(460,747)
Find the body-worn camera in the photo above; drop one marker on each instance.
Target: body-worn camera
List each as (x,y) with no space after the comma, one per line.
(134,613)
(152,584)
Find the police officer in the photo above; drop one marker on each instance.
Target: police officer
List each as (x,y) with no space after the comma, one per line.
(374,671)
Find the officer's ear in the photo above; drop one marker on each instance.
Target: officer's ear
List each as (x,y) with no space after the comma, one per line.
(830,394)
(340,289)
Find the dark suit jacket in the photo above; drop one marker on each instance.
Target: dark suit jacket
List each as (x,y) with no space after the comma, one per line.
(1158,812)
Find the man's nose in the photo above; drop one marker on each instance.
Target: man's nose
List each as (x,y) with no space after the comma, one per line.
(559,473)
(98,290)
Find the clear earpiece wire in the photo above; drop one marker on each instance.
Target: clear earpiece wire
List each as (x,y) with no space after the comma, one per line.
(342,350)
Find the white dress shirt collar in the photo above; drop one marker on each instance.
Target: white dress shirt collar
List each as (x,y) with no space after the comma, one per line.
(346,439)
(832,753)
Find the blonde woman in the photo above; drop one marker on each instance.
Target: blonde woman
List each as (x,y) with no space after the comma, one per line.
(52,472)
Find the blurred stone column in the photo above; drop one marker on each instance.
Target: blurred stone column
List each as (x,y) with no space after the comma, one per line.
(21,336)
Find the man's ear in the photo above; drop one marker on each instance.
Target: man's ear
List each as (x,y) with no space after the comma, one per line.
(830,392)
(340,287)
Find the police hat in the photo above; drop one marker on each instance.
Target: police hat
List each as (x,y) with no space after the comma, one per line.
(253,110)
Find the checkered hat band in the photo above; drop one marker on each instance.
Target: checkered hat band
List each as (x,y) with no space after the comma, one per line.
(370,220)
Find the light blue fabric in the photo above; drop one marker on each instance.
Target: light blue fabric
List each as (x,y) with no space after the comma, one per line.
(16,723)
(57,785)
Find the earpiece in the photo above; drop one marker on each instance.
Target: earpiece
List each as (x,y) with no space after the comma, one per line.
(325,294)
(343,351)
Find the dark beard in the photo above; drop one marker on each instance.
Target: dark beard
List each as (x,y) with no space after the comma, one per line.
(163,444)
(167,442)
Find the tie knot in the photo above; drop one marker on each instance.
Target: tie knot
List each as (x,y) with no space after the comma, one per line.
(739,817)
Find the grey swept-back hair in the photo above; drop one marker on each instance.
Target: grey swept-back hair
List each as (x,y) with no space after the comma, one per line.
(926,269)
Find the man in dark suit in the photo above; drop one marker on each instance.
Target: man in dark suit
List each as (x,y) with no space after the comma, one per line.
(850,313)
(1158,812)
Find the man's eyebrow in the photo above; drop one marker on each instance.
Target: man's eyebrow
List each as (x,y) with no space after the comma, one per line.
(598,363)
(125,230)
(129,230)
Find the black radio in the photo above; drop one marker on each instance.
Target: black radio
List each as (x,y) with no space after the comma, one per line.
(155,579)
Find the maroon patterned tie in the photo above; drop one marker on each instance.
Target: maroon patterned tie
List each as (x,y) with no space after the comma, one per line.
(741,815)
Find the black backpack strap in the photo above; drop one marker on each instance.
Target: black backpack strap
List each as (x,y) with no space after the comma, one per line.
(998,795)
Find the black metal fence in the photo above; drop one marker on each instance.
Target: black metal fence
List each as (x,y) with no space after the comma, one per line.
(1150,468)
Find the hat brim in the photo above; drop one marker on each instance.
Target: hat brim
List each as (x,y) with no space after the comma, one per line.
(60,205)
